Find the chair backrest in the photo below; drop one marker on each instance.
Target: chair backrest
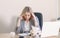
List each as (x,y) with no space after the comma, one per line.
(40,18)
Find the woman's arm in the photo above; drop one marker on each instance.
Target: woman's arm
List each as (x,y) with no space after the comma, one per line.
(36,20)
(18,24)
(19,20)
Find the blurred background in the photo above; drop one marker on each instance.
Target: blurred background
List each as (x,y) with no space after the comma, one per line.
(11,9)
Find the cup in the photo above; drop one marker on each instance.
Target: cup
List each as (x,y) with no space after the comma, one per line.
(12,34)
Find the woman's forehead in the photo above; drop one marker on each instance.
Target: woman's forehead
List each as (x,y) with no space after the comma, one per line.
(27,13)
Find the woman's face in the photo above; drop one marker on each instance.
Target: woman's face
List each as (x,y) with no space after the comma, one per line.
(27,16)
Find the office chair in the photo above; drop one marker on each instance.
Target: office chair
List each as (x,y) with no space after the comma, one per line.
(40,18)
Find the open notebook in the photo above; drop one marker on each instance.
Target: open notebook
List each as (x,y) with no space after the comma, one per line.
(24,34)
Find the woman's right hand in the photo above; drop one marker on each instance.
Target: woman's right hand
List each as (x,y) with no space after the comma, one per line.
(18,21)
(21,17)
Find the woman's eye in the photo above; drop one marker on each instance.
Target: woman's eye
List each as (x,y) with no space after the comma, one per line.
(28,15)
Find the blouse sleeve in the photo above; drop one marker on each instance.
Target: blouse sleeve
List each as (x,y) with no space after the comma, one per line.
(37,21)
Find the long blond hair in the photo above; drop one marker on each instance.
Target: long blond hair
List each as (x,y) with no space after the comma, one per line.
(27,9)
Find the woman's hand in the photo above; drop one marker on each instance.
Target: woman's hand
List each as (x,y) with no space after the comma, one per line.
(21,17)
(35,19)
(33,15)
(19,20)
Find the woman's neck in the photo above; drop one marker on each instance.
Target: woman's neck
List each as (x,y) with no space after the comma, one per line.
(27,21)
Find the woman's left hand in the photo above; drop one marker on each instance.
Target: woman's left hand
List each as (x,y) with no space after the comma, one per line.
(33,15)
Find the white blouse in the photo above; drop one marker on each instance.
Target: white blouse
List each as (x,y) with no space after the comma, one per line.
(27,27)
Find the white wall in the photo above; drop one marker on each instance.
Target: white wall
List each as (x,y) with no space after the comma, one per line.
(10,9)
(58,8)
(14,7)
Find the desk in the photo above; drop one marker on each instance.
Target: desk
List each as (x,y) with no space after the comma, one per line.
(7,35)
(50,28)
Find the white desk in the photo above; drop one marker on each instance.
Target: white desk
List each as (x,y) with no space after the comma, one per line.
(6,35)
(50,28)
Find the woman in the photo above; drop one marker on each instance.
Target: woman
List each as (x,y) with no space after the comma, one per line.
(26,20)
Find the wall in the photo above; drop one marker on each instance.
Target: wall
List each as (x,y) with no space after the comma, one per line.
(58,8)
